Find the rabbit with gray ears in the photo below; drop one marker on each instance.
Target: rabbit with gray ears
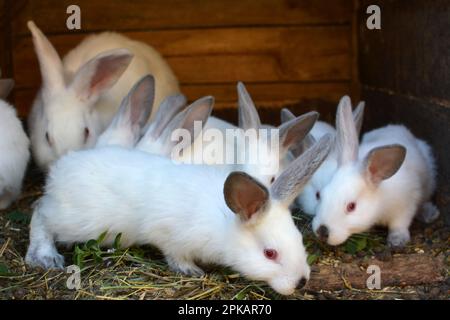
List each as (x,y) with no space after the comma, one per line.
(192,213)
(311,194)
(14,149)
(80,94)
(262,160)
(387,180)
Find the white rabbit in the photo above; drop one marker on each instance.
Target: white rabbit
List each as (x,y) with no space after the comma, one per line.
(192,213)
(14,149)
(262,157)
(80,95)
(311,194)
(385,181)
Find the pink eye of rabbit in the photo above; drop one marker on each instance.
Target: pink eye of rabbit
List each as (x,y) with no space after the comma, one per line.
(271,254)
(351,207)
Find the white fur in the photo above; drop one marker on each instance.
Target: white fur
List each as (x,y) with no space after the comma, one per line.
(60,111)
(14,154)
(150,200)
(393,203)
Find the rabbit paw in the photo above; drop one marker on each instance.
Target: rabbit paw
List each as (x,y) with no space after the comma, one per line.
(45,258)
(428,213)
(184,266)
(398,238)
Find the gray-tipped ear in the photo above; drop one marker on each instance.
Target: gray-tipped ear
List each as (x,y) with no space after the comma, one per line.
(286,115)
(292,180)
(244,195)
(140,101)
(347,138)
(295,130)
(126,126)
(49,61)
(6,85)
(248,115)
(199,111)
(358,116)
(381,163)
(299,148)
(101,73)
(166,112)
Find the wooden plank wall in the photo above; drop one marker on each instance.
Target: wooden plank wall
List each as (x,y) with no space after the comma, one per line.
(405,75)
(5,41)
(288,52)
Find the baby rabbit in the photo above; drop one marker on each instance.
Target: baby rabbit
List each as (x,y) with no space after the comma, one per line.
(14,149)
(387,180)
(311,194)
(80,94)
(193,213)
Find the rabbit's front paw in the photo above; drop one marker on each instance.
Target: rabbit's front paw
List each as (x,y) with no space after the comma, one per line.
(45,258)
(398,238)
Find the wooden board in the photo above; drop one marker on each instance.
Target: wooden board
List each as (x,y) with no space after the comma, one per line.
(411,52)
(171,14)
(5,40)
(226,55)
(408,269)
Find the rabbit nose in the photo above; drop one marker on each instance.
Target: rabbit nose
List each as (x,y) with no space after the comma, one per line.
(323,233)
(302,283)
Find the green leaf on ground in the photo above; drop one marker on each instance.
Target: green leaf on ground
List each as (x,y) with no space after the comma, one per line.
(18,217)
(4,271)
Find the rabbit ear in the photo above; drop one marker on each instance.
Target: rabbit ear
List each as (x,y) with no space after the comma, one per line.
(199,111)
(286,115)
(383,162)
(6,85)
(132,114)
(248,115)
(347,138)
(292,180)
(136,107)
(301,146)
(295,130)
(358,117)
(165,113)
(51,66)
(100,73)
(244,195)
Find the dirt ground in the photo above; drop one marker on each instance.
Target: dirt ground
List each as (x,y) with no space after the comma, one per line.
(420,271)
